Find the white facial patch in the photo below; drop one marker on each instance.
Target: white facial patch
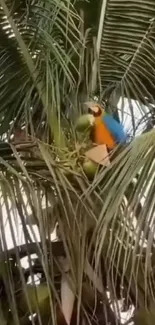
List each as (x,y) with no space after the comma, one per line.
(93,106)
(95,109)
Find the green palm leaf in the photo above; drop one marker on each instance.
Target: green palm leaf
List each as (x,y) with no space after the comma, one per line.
(124,64)
(40,41)
(104,245)
(124,242)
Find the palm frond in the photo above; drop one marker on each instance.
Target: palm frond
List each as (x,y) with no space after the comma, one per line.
(105,228)
(40,41)
(124,61)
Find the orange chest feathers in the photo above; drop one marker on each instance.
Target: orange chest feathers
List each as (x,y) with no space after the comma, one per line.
(102,134)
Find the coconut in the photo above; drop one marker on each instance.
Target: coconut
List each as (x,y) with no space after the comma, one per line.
(84,122)
(90,168)
(38,298)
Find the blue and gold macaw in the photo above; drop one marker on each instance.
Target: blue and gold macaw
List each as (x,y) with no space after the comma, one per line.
(106,129)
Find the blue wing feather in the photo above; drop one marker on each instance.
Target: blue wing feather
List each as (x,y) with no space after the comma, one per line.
(116,129)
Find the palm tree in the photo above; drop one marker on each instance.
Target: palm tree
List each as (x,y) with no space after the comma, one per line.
(54,55)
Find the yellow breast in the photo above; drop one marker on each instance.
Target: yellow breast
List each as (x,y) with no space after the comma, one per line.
(102,134)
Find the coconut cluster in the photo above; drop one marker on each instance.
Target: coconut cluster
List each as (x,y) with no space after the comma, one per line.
(83,125)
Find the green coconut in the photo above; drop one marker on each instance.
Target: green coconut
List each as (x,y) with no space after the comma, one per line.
(84,122)
(38,298)
(90,168)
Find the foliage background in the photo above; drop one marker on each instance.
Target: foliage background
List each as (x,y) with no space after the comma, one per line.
(55,55)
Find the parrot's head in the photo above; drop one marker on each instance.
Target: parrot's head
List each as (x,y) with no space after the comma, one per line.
(94,108)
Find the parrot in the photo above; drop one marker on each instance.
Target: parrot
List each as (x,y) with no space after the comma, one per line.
(106,129)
